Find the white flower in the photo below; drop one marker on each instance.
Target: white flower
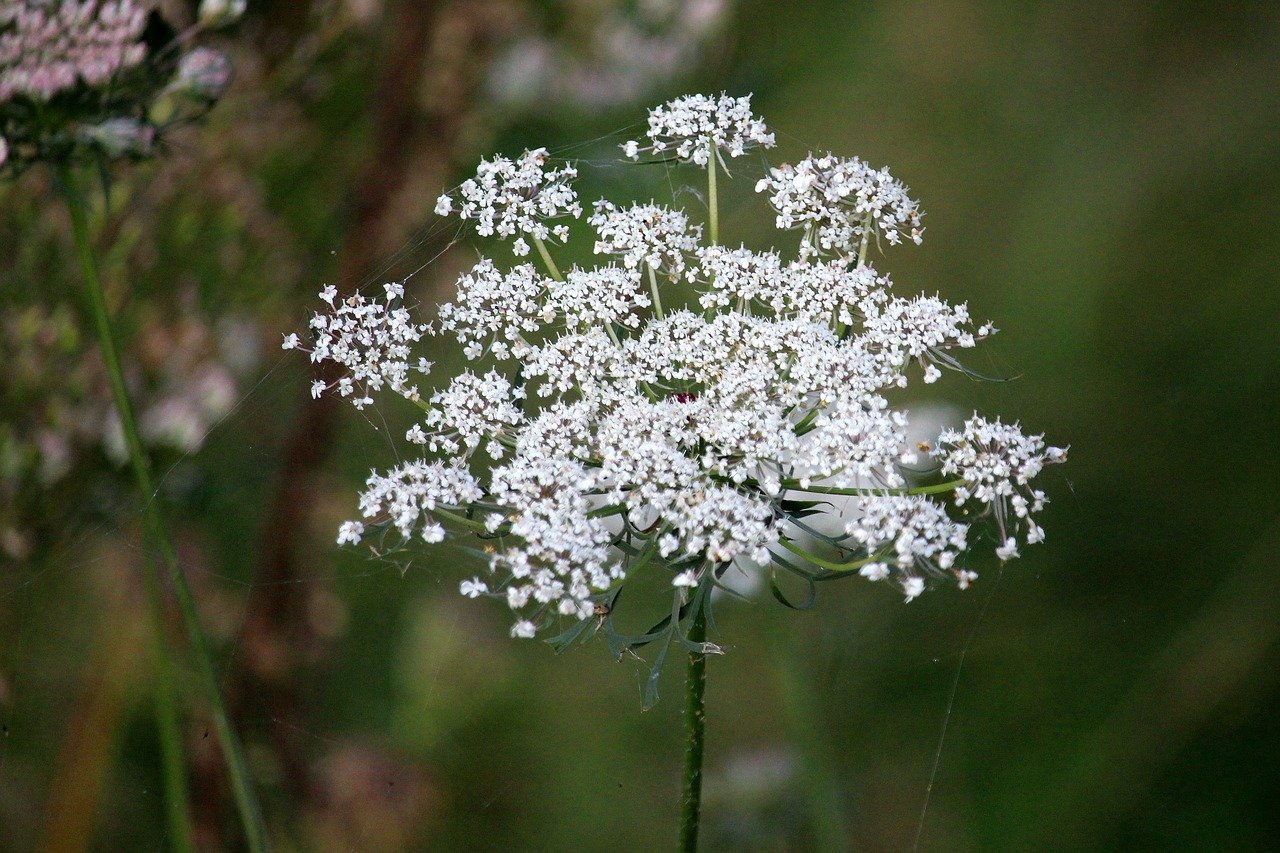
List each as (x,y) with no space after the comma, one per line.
(472,411)
(372,340)
(494,310)
(598,297)
(518,197)
(645,234)
(874,571)
(685,579)
(909,533)
(840,203)
(291,341)
(473,588)
(619,434)
(350,531)
(996,463)
(693,126)
(922,330)
(408,495)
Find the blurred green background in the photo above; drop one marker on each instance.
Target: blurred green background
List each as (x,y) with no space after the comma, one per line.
(1100,179)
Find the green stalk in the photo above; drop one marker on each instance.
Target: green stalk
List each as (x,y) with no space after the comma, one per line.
(713,203)
(177,804)
(546,259)
(237,767)
(695,720)
(866,239)
(935,489)
(459,518)
(832,565)
(653,288)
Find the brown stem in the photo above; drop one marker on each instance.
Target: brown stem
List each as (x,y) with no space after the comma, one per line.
(276,625)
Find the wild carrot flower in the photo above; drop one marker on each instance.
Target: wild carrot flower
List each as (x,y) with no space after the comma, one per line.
(840,203)
(623,430)
(513,198)
(692,127)
(996,462)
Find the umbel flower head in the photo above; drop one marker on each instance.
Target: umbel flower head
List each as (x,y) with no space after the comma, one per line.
(686,408)
(92,79)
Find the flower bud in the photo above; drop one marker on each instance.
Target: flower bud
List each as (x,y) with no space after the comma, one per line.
(220,13)
(4,150)
(119,136)
(203,73)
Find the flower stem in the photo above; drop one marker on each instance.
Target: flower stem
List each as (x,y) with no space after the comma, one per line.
(695,719)
(546,259)
(830,565)
(177,804)
(935,489)
(713,203)
(237,767)
(653,288)
(866,239)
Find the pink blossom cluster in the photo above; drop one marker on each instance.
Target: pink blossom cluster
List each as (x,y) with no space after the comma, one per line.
(49,48)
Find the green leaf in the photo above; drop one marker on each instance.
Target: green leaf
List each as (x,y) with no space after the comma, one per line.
(562,641)
(784,601)
(655,672)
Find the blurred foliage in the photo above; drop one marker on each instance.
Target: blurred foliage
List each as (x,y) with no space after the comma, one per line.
(1100,179)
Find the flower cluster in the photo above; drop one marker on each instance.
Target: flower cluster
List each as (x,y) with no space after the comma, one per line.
(907,533)
(840,203)
(86,78)
(50,48)
(494,309)
(996,463)
(512,198)
(645,234)
(408,494)
(695,126)
(371,340)
(632,437)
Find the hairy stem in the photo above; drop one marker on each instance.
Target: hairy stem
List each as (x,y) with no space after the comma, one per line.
(695,719)
(237,768)
(546,259)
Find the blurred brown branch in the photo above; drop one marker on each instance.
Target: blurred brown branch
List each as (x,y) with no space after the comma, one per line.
(420,36)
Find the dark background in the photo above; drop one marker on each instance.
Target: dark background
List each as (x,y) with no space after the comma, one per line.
(1100,179)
